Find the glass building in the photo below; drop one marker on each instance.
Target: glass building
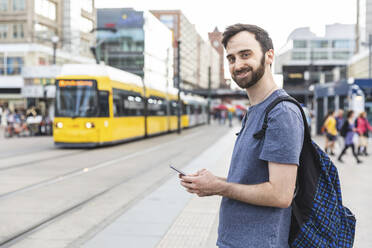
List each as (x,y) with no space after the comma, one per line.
(136,42)
(125,48)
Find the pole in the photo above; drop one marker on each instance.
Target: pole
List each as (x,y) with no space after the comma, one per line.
(54,52)
(209,95)
(370,56)
(179,86)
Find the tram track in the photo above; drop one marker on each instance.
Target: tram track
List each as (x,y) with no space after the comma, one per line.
(82,171)
(21,235)
(23,164)
(13,239)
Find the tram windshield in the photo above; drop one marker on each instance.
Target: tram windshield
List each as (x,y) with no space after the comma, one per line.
(76,98)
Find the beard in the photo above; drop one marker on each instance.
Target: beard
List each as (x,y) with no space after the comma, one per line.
(248,82)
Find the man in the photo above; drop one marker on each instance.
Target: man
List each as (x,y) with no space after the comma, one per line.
(255,209)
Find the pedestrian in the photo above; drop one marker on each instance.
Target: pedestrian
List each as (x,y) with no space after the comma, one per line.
(363,127)
(331,132)
(339,123)
(223,117)
(348,131)
(255,209)
(230,116)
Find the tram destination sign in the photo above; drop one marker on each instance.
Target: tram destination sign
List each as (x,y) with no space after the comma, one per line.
(69,83)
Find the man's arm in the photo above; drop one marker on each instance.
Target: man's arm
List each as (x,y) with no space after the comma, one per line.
(277,192)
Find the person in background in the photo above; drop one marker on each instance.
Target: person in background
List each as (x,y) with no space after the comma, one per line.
(331,132)
(363,127)
(339,119)
(339,123)
(230,116)
(349,135)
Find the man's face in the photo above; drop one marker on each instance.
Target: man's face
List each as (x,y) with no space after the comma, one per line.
(246,60)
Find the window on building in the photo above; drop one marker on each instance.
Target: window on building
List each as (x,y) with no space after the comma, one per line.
(86,25)
(46,8)
(320,55)
(299,56)
(44,32)
(18,5)
(3,31)
(14,65)
(341,55)
(341,44)
(299,44)
(319,43)
(87,5)
(2,64)
(18,32)
(4,5)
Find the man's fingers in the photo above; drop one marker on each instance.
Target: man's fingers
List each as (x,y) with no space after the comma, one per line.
(193,191)
(189,179)
(188,185)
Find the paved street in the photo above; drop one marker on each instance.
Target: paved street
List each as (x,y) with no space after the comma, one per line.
(126,196)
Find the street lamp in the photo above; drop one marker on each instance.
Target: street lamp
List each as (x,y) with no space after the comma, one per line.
(55,40)
(93,49)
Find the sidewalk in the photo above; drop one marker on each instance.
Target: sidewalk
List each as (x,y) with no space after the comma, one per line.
(172,218)
(1,132)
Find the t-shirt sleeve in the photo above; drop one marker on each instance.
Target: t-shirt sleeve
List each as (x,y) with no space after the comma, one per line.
(284,135)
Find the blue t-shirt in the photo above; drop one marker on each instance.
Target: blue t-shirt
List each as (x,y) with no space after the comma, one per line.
(243,225)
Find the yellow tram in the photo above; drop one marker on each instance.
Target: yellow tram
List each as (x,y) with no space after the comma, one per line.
(98,105)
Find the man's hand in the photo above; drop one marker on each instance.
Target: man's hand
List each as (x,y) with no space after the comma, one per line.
(203,183)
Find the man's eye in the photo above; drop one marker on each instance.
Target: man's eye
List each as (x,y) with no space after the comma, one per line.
(245,55)
(231,60)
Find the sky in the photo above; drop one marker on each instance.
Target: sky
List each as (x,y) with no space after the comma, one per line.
(278,17)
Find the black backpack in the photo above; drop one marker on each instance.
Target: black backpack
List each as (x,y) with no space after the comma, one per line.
(344,128)
(318,217)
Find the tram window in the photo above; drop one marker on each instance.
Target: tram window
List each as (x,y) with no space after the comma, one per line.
(127,103)
(199,109)
(192,109)
(184,106)
(103,101)
(156,106)
(117,107)
(133,105)
(173,107)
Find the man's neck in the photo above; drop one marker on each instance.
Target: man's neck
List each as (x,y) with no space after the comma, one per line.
(261,90)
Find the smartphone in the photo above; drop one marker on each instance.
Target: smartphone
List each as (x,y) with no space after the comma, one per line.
(178,170)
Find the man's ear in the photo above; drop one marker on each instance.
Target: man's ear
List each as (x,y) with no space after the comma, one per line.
(270,56)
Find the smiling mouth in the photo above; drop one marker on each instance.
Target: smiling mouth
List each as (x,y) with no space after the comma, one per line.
(242,74)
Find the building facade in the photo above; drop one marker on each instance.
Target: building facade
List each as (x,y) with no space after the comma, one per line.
(41,33)
(215,39)
(141,45)
(308,59)
(196,54)
(359,64)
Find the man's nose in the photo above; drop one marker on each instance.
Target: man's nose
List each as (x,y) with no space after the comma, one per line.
(239,64)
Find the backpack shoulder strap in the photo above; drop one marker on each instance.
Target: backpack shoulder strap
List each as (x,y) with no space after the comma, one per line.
(260,134)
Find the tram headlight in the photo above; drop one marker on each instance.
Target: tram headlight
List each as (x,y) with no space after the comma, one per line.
(59,125)
(89,125)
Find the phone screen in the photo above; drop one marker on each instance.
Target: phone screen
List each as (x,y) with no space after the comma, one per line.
(178,170)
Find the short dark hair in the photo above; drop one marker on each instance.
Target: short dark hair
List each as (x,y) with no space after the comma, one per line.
(260,34)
